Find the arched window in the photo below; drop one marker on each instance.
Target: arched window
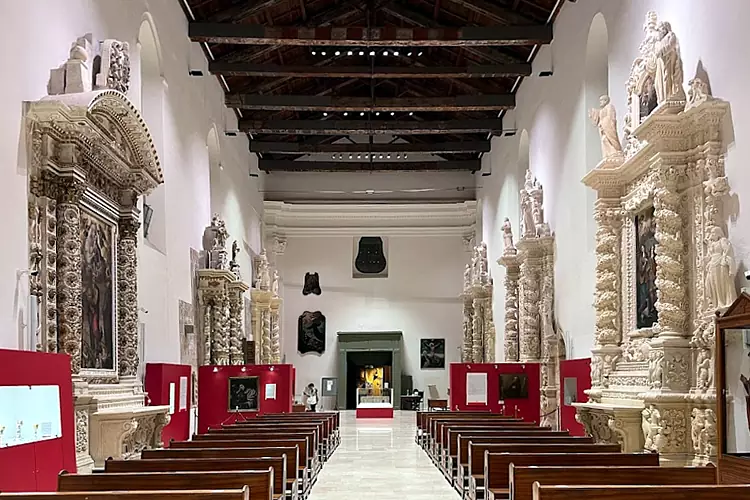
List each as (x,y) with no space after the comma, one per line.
(152,109)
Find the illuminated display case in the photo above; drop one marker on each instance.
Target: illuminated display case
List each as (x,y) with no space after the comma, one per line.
(29,414)
(368,398)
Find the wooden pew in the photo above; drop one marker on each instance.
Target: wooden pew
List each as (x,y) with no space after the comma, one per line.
(435,424)
(693,492)
(319,427)
(522,478)
(262,481)
(475,469)
(240,494)
(498,464)
(286,477)
(424,417)
(441,444)
(256,480)
(330,422)
(451,451)
(251,439)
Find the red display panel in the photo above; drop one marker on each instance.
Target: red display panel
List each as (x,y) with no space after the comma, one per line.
(580,370)
(35,466)
(213,392)
(159,376)
(526,408)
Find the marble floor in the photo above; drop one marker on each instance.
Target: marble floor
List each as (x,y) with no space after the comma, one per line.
(378,459)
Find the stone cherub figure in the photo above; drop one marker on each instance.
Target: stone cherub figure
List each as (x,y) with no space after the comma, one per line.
(720,267)
(606,119)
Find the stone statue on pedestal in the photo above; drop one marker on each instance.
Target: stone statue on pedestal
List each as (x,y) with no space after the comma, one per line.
(606,119)
(508,247)
(669,75)
(233,264)
(720,268)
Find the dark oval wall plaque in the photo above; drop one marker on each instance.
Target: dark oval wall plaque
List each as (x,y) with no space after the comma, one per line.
(370,255)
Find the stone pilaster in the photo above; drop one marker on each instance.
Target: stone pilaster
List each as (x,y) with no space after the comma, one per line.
(261,319)
(127,297)
(69,304)
(236,292)
(275,330)
(467,354)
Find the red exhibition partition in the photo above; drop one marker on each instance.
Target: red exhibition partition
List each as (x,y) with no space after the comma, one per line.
(213,392)
(526,408)
(158,384)
(579,369)
(35,466)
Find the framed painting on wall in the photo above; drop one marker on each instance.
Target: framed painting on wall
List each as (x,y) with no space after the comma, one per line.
(432,353)
(645,244)
(97,293)
(514,386)
(243,394)
(311,332)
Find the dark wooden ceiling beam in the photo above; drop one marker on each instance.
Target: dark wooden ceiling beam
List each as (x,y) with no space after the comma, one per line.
(494,12)
(256,102)
(365,127)
(278,71)
(252,34)
(242,11)
(351,166)
(397,147)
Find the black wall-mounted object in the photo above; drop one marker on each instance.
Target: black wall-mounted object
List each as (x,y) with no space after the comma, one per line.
(311,332)
(312,284)
(370,255)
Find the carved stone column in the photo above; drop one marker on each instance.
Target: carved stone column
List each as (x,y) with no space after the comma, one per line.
(236,291)
(275,330)
(127,297)
(608,333)
(216,290)
(467,354)
(512,274)
(70,318)
(261,319)
(529,291)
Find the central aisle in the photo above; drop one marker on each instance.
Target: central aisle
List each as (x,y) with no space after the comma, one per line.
(378,459)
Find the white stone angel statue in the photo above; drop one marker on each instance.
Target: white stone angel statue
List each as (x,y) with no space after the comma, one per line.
(606,119)
(720,267)
(509,247)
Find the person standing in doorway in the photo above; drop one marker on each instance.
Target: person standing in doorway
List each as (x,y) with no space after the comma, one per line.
(311,395)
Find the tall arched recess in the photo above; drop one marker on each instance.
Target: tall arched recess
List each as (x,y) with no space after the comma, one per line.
(596,85)
(152,110)
(214,169)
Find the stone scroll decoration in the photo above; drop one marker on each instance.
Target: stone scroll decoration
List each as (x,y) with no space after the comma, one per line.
(478,324)
(221,299)
(530,333)
(657,379)
(91,158)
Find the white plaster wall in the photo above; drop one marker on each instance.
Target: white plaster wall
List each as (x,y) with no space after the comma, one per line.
(419,298)
(45,30)
(553,110)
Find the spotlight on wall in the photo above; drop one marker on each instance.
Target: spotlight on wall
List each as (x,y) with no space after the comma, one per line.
(272,368)
(243,369)
(216,370)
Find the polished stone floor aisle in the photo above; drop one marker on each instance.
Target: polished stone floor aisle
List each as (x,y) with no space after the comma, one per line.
(378,459)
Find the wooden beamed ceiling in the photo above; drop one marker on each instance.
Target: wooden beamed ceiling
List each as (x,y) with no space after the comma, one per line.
(331,77)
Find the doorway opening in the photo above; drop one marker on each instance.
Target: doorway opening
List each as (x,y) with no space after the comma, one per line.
(369,370)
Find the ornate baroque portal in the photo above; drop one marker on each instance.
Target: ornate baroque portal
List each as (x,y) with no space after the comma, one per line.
(90,159)
(663,263)
(530,334)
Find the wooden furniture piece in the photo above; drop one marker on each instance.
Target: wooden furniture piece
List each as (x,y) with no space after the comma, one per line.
(411,403)
(437,404)
(734,465)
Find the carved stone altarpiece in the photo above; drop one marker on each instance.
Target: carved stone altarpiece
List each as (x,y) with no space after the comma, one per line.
(221,298)
(653,387)
(90,159)
(530,333)
(266,318)
(478,324)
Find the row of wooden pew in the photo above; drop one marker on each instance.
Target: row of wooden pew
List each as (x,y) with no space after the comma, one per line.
(272,457)
(494,457)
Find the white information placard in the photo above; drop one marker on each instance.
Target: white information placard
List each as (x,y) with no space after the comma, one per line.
(183,393)
(270,391)
(29,414)
(172,390)
(476,388)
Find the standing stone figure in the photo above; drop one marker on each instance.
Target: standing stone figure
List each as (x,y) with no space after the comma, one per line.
(509,248)
(669,74)
(529,228)
(606,119)
(720,269)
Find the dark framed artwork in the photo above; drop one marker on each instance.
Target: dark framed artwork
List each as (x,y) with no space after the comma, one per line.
(97,293)
(370,260)
(243,394)
(432,353)
(645,245)
(311,332)
(312,284)
(514,386)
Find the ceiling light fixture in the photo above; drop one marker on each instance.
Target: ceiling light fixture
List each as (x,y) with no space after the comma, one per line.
(420,53)
(411,113)
(359,157)
(350,157)
(377,113)
(338,53)
(361,52)
(349,53)
(405,156)
(314,52)
(398,156)
(367,155)
(346,113)
(381,157)
(388,156)
(362,113)
(395,52)
(323,53)
(372,52)
(325,113)
(410,53)
(333,156)
(393,113)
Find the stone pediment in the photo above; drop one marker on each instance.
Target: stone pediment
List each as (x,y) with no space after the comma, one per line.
(111,141)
